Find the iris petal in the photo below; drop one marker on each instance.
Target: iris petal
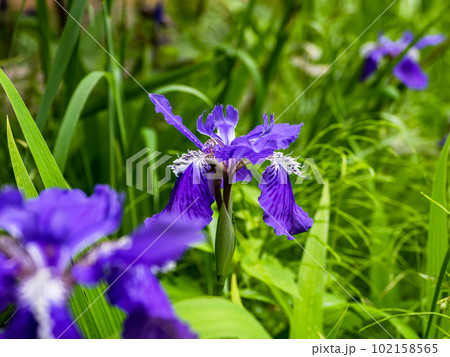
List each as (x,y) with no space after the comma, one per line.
(7,281)
(371,64)
(262,141)
(162,105)
(191,199)
(63,326)
(411,74)
(164,240)
(22,325)
(63,221)
(13,219)
(277,200)
(150,313)
(430,40)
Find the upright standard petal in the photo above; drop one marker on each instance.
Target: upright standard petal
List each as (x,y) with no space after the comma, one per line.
(277,200)
(162,105)
(225,125)
(191,198)
(150,313)
(411,74)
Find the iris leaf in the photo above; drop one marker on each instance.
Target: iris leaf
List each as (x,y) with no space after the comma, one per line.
(73,112)
(67,43)
(437,243)
(307,321)
(219,318)
(46,164)
(23,180)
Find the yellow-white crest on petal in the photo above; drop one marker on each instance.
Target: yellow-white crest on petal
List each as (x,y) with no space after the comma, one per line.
(39,293)
(287,162)
(197,157)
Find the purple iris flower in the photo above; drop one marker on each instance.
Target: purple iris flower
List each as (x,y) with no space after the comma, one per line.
(408,70)
(47,234)
(222,160)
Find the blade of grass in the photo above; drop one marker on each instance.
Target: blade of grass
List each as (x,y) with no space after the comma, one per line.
(307,321)
(46,164)
(235,296)
(67,43)
(23,180)
(115,96)
(151,141)
(334,331)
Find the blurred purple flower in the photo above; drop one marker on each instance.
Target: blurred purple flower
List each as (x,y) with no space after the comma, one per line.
(37,273)
(197,182)
(408,70)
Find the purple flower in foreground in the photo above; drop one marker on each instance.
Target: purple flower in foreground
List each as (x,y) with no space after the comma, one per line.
(37,273)
(222,160)
(408,70)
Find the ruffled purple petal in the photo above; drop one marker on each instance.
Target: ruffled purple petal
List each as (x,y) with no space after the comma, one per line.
(260,142)
(162,105)
(150,313)
(429,40)
(71,219)
(206,128)
(191,198)
(160,242)
(22,326)
(90,269)
(411,74)
(277,200)
(394,48)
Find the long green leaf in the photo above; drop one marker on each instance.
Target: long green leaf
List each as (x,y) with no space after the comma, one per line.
(219,318)
(44,37)
(307,321)
(67,43)
(437,242)
(47,167)
(73,112)
(23,180)
(185,89)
